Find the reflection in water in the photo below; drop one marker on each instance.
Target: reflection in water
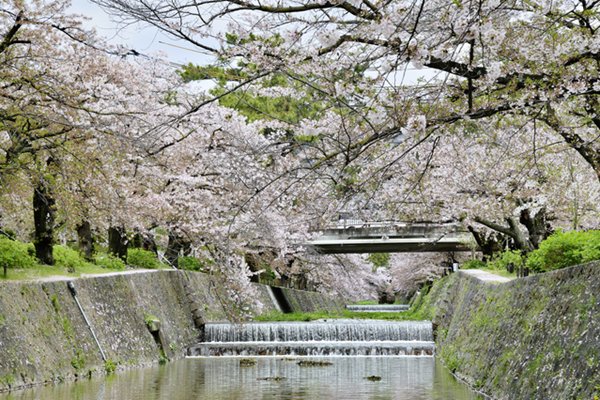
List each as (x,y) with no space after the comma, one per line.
(406,378)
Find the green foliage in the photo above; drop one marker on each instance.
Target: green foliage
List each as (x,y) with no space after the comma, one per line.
(110,366)
(298,316)
(7,380)
(142,258)
(191,264)
(268,275)
(68,258)
(79,361)
(379,259)
(110,261)
(474,264)
(306,138)
(16,254)
(67,327)
(162,359)
(503,258)
(366,303)
(255,107)
(247,103)
(148,318)
(55,304)
(191,72)
(10,233)
(563,250)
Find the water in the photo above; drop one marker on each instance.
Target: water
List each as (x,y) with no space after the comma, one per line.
(332,330)
(333,348)
(378,308)
(222,378)
(318,338)
(399,353)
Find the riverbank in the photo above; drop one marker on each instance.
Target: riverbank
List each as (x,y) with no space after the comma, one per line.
(44,336)
(530,338)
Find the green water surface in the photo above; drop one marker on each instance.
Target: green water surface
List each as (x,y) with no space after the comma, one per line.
(402,378)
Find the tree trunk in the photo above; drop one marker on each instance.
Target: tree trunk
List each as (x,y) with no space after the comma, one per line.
(284,280)
(488,244)
(144,241)
(137,241)
(86,242)
(117,242)
(44,211)
(149,244)
(386,295)
(521,241)
(301,282)
(254,265)
(173,249)
(537,225)
(186,247)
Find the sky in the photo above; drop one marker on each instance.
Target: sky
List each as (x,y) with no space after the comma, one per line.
(143,40)
(148,40)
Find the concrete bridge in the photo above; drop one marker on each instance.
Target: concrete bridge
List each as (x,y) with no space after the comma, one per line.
(392,238)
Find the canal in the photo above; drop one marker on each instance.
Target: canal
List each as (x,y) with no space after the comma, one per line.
(277,377)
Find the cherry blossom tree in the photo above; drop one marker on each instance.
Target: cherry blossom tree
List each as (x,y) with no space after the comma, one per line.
(75,116)
(495,58)
(120,143)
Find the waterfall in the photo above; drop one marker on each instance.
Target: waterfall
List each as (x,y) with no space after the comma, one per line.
(334,330)
(378,308)
(334,337)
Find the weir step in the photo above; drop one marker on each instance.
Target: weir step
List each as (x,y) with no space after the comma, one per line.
(333,330)
(338,348)
(318,338)
(378,308)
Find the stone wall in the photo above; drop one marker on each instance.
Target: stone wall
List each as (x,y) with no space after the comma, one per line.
(44,337)
(531,338)
(306,302)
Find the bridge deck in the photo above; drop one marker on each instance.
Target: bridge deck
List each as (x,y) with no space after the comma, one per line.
(407,239)
(402,245)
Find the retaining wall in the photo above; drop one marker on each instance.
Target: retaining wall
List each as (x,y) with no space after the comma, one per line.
(531,338)
(44,337)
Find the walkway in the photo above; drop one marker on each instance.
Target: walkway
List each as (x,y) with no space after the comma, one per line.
(485,276)
(58,278)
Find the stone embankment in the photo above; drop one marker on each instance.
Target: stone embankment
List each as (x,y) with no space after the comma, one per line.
(530,338)
(138,319)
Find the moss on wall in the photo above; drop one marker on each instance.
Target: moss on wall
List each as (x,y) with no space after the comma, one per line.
(531,338)
(307,302)
(44,337)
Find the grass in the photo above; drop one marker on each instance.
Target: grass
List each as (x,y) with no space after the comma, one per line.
(69,264)
(46,271)
(403,316)
(504,273)
(370,303)
(365,303)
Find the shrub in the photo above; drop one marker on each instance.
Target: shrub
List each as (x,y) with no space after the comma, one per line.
(191,264)
(67,258)
(563,250)
(16,254)
(142,259)
(269,274)
(110,366)
(111,262)
(503,258)
(591,248)
(474,264)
